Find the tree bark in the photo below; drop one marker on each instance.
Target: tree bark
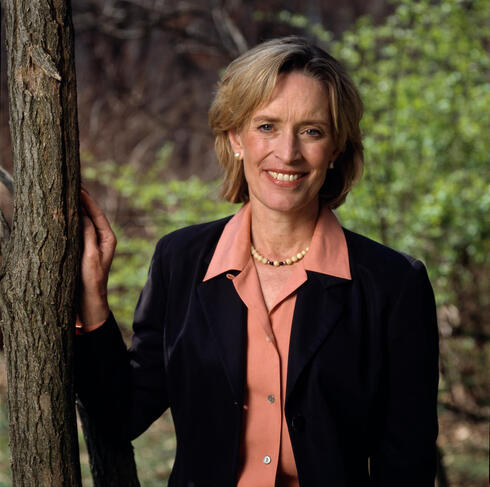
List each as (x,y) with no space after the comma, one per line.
(111,463)
(6,204)
(40,267)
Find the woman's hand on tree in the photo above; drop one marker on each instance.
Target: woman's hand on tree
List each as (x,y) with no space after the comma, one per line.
(99,243)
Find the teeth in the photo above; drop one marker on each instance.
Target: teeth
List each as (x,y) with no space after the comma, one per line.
(284,177)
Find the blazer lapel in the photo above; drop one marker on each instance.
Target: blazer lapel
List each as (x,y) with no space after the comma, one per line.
(319,307)
(226,316)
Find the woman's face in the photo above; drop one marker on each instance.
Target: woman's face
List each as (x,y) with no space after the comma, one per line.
(287,146)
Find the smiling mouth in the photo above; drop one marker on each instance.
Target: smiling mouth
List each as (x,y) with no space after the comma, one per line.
(279,176)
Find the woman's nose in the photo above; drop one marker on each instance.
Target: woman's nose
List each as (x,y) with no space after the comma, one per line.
(287,148)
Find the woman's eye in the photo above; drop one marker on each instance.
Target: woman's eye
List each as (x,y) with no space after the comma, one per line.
(313,132)
(265,127)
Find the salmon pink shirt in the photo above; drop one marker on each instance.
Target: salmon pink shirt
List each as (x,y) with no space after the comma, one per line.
(266,455)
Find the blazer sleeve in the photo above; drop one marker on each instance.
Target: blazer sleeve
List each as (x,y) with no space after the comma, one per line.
(405,451)
(124,391)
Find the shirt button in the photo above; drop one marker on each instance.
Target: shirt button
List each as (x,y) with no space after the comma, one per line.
(267,459)
(271,398)
(267,339)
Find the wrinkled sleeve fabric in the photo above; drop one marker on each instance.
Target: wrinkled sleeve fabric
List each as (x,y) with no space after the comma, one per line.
(405,452)
(123,391)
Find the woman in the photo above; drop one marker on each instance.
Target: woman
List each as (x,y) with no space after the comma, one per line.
(290,351)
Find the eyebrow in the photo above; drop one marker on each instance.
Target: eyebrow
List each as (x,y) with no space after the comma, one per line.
(265,118)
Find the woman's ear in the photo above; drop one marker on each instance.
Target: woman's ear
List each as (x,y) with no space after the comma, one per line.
(235,140)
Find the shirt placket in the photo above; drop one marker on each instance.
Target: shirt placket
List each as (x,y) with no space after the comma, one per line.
(263,411)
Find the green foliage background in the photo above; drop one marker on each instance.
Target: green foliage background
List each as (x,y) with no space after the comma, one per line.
(424,78)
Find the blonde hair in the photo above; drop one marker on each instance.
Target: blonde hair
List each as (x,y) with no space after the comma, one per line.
(248,83)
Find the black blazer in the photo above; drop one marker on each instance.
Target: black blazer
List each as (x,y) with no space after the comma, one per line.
(362,374)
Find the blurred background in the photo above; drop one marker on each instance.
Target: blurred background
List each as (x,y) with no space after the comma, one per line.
(147,71)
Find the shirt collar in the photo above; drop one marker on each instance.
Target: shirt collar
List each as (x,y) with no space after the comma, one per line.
(233,249)
(328,252)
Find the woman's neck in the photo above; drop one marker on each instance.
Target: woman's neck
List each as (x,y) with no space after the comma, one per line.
(279,235)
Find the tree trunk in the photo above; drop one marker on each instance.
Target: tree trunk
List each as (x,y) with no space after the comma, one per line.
(40,266)
(41,259)
(6,204)
(112,463)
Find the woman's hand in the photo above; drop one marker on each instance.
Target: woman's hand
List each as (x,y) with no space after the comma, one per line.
(99,243)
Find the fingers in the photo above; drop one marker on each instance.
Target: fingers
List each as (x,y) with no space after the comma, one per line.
(94,212)
(90,241)
(100,226)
